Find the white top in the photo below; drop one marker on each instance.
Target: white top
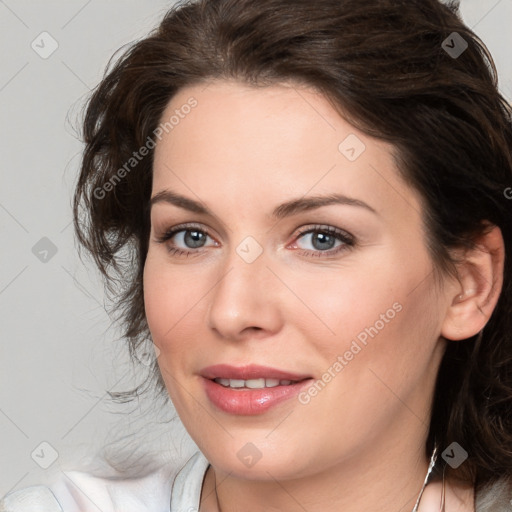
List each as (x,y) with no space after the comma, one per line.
(165,490)
(162,491)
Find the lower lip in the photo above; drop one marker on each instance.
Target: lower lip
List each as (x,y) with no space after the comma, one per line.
(250,402)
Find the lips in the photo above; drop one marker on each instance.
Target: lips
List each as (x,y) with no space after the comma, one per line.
(250,372)
(250,390)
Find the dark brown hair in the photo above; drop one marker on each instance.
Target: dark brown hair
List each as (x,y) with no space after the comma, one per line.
(386,65)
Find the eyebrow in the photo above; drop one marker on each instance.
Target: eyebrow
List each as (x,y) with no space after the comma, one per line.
(287,209)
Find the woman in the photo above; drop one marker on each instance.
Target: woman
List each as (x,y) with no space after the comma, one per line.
(314,198)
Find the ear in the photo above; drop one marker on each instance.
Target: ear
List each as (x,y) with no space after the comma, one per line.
(480,280)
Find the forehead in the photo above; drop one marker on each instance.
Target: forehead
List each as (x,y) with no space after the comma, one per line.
(259,144)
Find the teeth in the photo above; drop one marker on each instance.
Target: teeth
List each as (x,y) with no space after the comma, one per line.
(255,383)
(252,383)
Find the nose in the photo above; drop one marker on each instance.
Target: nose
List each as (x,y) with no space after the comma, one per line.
(245,302)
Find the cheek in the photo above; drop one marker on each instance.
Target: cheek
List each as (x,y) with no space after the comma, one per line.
(161,303)
(383,348)
(343,304)
(163,308)
(155,291)
(174,297)
(388,317)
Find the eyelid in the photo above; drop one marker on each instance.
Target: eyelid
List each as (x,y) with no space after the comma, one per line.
(326,228)
(186,226)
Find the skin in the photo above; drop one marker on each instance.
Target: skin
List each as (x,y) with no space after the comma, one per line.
(358,444)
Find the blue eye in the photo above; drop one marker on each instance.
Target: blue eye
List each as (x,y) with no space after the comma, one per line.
(325,239)
(190,238)
(193,239)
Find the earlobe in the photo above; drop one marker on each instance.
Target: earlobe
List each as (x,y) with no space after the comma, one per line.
(480,278)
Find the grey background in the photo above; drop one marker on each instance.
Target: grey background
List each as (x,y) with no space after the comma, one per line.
(57,347)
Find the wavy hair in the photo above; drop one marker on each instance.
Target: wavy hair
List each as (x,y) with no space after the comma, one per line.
(386,66)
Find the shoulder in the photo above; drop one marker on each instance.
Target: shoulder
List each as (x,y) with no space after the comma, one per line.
(495,497)
(75,491)
(37,498)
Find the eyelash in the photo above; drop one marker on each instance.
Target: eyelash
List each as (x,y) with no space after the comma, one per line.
(347,240)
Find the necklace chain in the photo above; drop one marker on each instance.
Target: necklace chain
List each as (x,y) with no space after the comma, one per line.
(431,465)
(433,459)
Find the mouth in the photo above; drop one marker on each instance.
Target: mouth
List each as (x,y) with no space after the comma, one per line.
(254,383)
(250,390)
(251,376)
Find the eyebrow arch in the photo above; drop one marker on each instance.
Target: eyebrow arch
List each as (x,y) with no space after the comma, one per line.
(287,209)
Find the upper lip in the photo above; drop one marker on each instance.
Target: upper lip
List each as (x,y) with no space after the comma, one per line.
(253,371)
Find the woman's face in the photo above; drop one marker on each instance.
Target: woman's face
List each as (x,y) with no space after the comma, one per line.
(298,254)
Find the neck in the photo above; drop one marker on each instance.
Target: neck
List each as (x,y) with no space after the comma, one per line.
(386,477)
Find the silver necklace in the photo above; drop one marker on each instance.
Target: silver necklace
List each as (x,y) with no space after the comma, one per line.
(433,459)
